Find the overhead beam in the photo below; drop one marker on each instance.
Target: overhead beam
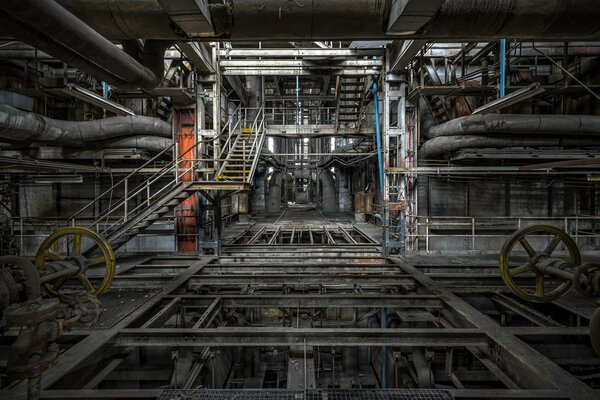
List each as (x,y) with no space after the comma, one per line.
(298,63)
(259,336)
(198,55)
(325,53)
(402,53)
(514,98)
(298,72)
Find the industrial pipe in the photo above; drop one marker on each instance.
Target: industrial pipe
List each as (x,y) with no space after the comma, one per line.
(48,26)
(32,276)
(18,126)
(252,20)
(518,124)
(448,144)
(329,193)
(152,144)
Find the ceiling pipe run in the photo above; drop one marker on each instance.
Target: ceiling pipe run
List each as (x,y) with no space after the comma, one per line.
(568,125)
(49,27)
(252,20)
(146,133)
(443,145)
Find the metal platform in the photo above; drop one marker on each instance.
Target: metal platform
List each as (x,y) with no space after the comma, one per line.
(316,394)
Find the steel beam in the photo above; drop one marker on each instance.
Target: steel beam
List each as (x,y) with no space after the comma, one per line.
(259,336)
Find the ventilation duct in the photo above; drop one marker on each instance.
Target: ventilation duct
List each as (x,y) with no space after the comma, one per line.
(519,124)
(117,132)
(49,27)
(449,144)
(252,20)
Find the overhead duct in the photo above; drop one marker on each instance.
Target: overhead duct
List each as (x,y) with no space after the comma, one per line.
(152,144)
(22,127)
(449,144)
(252,20)
(522,19)
(518,124)
(274,191)
(49,27)
(329,193)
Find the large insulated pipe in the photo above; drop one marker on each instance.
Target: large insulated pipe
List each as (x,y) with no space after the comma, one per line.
(152,144)
(448,144)
(519,124)
(252,20)
(329,192)
(20,126)
(48,26)
(521,19)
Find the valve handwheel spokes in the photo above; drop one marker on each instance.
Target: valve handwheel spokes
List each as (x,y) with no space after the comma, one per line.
(65,247)
(540,290)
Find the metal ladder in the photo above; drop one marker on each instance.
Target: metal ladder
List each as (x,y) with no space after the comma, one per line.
(350,100)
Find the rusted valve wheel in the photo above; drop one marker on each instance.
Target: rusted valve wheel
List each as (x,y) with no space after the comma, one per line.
(66,247)
(543,291)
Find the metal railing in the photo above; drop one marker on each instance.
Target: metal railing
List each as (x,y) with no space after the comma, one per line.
(304,116)
(258,129)
(487,234)
(119,211)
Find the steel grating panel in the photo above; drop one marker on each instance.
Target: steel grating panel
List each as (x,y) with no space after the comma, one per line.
(116,304)
(313,394)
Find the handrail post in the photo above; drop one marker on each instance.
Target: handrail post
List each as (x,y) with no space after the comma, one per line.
(176,161)
(473,234)
(126,184)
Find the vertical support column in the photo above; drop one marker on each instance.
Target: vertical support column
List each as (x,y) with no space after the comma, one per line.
(186,218)
(398,158)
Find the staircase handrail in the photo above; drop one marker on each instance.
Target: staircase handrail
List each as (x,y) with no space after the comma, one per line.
(71,219)
(172,166)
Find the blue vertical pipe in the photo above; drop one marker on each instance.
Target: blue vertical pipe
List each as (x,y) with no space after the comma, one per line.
(378,134)
(105,89)
(381,190)
(502,67)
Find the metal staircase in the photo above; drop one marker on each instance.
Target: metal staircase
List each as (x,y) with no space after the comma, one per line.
(350,101)
(242,158)
(143,202)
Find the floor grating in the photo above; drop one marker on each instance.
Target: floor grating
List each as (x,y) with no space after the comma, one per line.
(316,394)
(116,304)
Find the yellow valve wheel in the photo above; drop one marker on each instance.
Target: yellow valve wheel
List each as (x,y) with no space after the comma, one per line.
(65,247)
(546,287)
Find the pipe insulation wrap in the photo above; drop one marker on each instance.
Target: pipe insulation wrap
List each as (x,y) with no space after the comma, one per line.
(46,25)
(515,19)
(448,144)
(518,124)
(21,126)
(252,20)
(152,144)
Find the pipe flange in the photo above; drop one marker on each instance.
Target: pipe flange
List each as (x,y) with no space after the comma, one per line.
(587,280)
(32,313)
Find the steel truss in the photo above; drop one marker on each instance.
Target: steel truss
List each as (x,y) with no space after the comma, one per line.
(212,308)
